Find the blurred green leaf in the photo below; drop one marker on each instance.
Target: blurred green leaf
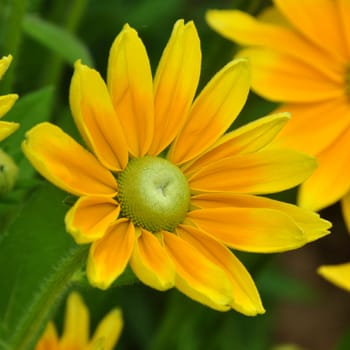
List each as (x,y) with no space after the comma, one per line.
(56,39)
(39,259)
(344,343)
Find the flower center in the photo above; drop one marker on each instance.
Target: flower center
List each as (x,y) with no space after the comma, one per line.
(153,193)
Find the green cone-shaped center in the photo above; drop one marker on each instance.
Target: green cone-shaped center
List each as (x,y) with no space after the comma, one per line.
(153,193)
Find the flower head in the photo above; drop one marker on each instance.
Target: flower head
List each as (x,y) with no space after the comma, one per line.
(6,102)
(161,187)
(76,329)
(300,55)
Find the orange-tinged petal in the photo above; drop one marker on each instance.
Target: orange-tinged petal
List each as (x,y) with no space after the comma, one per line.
(49,339)
(307,17)
(59,158)
(175,83)
(308,221)
(261,172)
(130,84)
(6,103)
(76,324)
(213,111)
(314,126)
(151,262)
(345,206)
(280,77)
(89,218)
(245,295)
(250,229)
(269,30)
(5,62)
(331,180)
(95,117)
(246,139)
(337,274)
(7,128)
(109,256)
(107,332)
(198,277)
(344,15)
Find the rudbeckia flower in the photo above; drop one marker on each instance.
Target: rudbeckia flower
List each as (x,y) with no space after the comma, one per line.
(76,329)
(300,56)
(162,187)
(6,102)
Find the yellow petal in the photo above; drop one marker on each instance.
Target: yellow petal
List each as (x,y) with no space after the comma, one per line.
(88,219)
(7,128)
(345,206)
(245,295)
(331,180)
(198,277)
(266,171)
(280,77)
(337,274)
(151,262)
(4,64)
(49,339)
(314,126)
(95,117)
(306,19)
(250,229)
(264,32)
(175,83)
(76,323)
(129,79)
(65,163)
(108,331)
(109,256)
(309,222)
(6,103)
(214,110)
(246,139)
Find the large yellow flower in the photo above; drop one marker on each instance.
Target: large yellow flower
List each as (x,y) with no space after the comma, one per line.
(6,102)
(300,55)
(76,329)
(162,188)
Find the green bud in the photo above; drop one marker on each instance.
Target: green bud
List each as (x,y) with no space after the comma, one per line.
(8,173)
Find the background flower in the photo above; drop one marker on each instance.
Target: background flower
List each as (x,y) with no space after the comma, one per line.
(76,329)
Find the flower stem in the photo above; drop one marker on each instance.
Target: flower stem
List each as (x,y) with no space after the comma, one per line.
(12,39)
(43,303)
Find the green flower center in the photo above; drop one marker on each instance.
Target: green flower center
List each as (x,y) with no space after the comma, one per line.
(153,193)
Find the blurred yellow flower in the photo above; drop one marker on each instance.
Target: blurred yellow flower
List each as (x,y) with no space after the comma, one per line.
(300,55)
(337,274)
(76,329)
(6,102)
(162,187)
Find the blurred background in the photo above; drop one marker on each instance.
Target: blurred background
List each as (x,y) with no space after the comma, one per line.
(45,38)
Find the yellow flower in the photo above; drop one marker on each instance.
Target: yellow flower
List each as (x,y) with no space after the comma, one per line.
(300,55)
(162,188)
(76,329)
(6,102)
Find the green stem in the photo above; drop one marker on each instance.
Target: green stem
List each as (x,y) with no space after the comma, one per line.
(12,39)
(54,67)
(49,294)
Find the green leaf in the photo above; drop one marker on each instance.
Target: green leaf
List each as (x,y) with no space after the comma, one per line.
(56,39)
(38,259)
